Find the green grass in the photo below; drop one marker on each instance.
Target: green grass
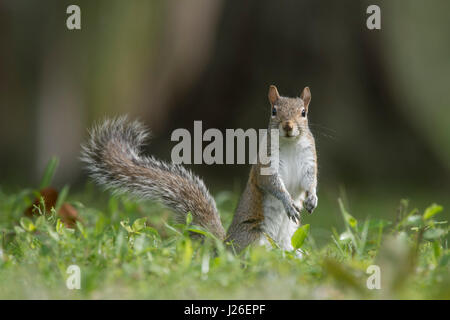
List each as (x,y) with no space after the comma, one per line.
(128,249)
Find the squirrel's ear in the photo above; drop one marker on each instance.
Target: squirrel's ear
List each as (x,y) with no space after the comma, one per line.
(306,97)
(273,94)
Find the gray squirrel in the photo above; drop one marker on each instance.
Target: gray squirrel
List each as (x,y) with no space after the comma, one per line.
(270,204)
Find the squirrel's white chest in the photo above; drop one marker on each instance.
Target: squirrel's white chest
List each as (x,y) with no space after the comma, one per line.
(294,161)
(292,168)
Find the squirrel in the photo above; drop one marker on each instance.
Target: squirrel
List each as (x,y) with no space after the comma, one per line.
(270,205)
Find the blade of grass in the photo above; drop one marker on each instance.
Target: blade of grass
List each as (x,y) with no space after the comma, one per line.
(348,227)
(62,197)
(49,172)
(363,240)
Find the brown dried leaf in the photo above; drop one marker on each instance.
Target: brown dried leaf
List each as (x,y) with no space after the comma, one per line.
(69,215)
(50,196)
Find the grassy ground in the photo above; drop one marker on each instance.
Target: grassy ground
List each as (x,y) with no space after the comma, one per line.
(127,250)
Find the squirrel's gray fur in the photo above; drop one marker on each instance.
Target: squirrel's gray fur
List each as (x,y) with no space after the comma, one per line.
(270,204)
(114,160)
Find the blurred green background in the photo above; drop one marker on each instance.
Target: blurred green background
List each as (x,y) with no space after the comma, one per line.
(380,99)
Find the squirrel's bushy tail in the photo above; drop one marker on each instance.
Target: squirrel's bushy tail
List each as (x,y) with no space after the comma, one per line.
(113,158)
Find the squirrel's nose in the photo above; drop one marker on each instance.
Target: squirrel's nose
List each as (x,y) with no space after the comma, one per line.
(288,126)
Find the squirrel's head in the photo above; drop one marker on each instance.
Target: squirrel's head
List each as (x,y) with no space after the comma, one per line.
(289,115)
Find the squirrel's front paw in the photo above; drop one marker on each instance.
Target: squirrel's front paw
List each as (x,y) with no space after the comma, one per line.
(310,202)
(293,212)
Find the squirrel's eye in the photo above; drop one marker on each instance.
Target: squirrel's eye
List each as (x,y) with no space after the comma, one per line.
(274,112)
(303,113)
